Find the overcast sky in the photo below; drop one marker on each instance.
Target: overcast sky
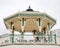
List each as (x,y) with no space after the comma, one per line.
(9,7)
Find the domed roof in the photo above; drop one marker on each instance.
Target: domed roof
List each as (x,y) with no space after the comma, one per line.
(29,9)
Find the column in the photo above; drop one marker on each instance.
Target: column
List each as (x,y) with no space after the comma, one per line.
(40,35)
(22,24)
(55,38)
(22,33)
(40,23)
(12,31)
(22,36)
(48,33)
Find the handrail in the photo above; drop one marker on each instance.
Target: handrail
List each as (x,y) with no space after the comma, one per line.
(18,39)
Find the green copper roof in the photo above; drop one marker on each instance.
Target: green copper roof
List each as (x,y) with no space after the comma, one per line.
(50,18)
(26,14)
(31,14)
(11,17)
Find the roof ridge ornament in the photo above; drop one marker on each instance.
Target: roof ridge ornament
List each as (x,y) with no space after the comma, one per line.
(29,9)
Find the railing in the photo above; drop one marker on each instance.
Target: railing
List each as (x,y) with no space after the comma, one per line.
(27,39)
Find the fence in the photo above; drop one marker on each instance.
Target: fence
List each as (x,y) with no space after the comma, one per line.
(27,39)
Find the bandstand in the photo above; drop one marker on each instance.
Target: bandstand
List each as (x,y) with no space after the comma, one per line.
(39,24)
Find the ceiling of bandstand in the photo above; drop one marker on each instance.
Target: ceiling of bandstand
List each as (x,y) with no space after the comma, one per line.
(30,23)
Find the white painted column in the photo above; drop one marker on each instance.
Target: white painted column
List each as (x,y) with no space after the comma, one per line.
(40,24)
(49,27)
(23,24)
(12,32)
(48,33)
(22,33)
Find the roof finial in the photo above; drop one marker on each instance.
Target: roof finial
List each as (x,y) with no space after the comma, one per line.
(29,7)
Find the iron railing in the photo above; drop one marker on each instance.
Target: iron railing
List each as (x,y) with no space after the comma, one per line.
(27,39)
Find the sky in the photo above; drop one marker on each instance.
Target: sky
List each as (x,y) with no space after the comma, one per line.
(9,7)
